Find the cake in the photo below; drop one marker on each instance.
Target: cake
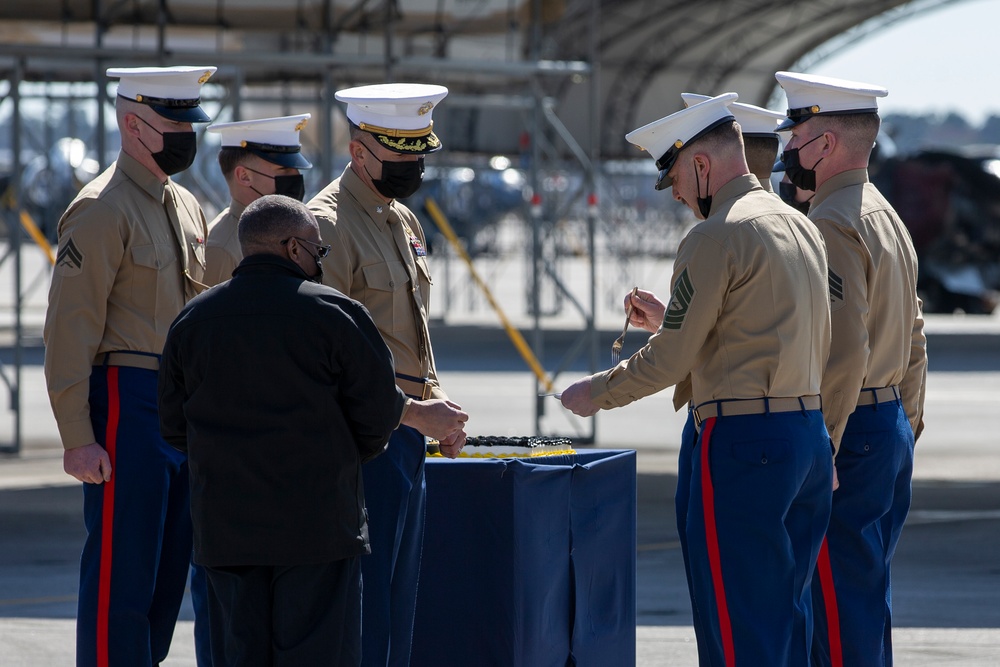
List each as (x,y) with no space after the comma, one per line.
(508,447)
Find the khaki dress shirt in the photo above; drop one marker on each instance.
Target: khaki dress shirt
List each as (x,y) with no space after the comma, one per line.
(378,257)
(878,324)
(223,252)
(131,254)
(749,315)
(682,390)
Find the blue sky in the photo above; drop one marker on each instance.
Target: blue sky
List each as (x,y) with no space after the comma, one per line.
(938,61)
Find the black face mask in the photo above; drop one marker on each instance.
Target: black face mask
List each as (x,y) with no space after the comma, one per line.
(802,178)
(399,179)
(179,149)
(787,193)
(290,185)
(704,203)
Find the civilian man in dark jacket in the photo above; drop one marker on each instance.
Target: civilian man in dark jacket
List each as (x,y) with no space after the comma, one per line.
(279,388)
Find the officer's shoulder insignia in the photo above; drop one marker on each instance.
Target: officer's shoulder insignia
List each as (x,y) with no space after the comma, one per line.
(69,260)
(680,301)
(836,290)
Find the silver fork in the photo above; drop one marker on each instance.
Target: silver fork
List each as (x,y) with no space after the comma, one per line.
(616,347)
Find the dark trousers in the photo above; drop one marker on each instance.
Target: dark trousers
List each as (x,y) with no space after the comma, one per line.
(135,559)
(199,601)
(759,508)
(396,501)
(286,616)
(852,589)
(689,439)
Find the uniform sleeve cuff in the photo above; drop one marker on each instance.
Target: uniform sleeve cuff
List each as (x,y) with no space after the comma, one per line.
(76,434)
(600,393)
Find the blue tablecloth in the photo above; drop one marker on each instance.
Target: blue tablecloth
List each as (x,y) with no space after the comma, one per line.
(529,562)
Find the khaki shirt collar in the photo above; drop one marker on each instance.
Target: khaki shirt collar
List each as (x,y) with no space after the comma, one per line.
(842,180)
(236,209)
(733,189)
(141,176)
(368,200)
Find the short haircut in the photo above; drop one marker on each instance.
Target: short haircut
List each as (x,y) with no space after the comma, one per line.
(859,130)
(762,153)
(269,220)
(724,139)
(357,133)
(231,157)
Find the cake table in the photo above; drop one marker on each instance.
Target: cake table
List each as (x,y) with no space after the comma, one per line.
(529,562)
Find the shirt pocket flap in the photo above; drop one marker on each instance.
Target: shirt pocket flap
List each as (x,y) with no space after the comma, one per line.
(153,256)
(385,277)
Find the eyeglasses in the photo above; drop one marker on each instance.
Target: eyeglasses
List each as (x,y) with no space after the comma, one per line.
(322,250)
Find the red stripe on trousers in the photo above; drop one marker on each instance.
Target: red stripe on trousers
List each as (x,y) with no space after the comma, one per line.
(107,521)
(712,539)
(825,572)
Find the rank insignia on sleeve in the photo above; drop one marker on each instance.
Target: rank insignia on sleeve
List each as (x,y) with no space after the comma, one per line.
(680,301)
(836,290)
(69,260)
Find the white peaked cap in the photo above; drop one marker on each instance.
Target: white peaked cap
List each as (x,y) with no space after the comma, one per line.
(173,92)
(813,95)
(398,115)
(273,139)
(663,139)
(753,120)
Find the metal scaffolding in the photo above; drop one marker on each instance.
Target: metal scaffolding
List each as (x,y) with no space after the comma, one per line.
(573,76)
(308,77)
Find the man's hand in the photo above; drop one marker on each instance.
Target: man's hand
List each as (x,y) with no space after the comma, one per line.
(437,418)
(647,310)
(576,398)
(452,445)
(90,463)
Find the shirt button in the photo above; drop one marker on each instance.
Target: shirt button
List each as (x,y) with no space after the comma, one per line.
(392,283)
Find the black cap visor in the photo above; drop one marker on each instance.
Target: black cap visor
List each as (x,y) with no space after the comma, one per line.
(283,158)
(802,114)
(179,111)
(667,160)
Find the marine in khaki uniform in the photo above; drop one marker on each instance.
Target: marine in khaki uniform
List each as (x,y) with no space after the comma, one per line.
(131,254)
(760,147)
(873,387)
(379,258)
(258,157)
(749,319)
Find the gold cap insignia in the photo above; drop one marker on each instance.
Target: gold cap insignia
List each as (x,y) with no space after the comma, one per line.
(138,98)
(425,108)
(815,108)
(301,124)
(678,143)
(243,143)
(204,77)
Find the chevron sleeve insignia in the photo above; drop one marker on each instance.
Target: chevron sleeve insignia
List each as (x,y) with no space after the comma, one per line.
(836,289)
(680,301)
(69,261)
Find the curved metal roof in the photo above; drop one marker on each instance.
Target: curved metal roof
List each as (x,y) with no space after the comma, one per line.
(648,51)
